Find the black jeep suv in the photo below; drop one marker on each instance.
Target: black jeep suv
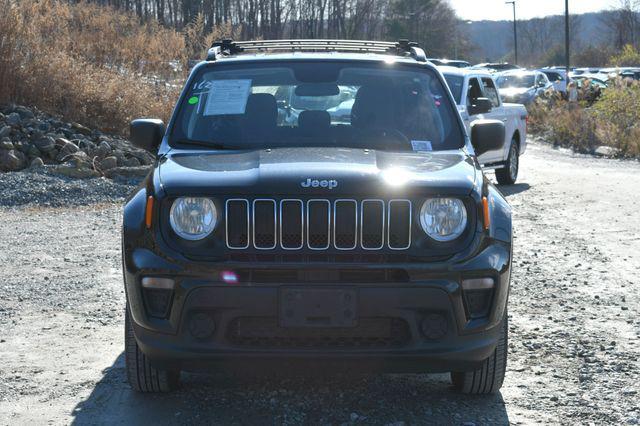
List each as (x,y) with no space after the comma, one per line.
(316,202)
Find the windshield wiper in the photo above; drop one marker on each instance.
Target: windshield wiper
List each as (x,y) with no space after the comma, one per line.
(208,144)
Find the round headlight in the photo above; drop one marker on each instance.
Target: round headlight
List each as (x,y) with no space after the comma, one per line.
(193,218)
(443,219)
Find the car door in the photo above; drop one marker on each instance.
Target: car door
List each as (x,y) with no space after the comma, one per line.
(490,92)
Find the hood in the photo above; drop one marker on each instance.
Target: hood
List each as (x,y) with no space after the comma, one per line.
(309,171)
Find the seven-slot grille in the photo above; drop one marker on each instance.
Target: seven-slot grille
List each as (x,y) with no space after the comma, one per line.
(318,224)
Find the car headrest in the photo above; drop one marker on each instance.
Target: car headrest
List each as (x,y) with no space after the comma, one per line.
(312,121)
(373,107)
(261,110)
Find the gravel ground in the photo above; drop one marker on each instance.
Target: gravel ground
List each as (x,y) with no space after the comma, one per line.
(574,317)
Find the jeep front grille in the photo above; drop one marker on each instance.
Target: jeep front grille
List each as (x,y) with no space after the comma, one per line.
(318,224)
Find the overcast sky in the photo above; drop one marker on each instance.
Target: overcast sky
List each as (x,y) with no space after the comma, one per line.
(497,9)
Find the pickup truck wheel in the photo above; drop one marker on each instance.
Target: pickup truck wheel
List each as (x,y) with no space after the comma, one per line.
(142,376)
(509,174)
(489,377)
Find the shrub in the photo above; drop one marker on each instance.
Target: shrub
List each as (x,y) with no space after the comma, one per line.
(89,63)
(618,116)
(613,120)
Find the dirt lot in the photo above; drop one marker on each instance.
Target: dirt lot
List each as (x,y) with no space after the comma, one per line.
(574,322)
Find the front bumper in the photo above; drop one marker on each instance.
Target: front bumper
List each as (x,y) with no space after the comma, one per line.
(424,290)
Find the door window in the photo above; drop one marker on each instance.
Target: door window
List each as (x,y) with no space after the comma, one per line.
(474,92)
(490,91)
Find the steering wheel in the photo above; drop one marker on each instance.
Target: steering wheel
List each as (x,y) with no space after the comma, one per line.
(389,139)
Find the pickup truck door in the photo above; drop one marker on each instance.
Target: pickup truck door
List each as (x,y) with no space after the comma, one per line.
(489,91)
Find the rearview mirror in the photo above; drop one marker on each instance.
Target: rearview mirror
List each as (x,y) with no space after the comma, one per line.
(487,135)
(147,133)
(480,106)
(317,89)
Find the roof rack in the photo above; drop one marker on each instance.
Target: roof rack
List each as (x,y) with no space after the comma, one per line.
(400,48)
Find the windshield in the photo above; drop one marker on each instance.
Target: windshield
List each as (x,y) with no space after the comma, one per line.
(297,104)
(505,81)
(455,83)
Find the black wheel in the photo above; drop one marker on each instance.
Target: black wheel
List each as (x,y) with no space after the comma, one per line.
(489,377)
(509,174)
(142,376)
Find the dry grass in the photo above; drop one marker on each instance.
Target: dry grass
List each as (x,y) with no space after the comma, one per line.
(90,63)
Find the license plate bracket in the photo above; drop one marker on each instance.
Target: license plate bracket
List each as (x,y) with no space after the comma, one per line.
(322,307)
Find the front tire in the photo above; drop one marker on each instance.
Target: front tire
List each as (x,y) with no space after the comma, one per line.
(142,376)
(488,378)
(509,174)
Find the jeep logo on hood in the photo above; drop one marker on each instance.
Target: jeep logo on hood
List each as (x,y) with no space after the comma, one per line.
(315,183)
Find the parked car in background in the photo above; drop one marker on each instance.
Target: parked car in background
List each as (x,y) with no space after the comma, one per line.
(593,81)
(477,97)
(633,74)
(457,63)
(558,78)
(522,87)
(496,67)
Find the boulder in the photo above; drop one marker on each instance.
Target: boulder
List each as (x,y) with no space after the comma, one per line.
(33,152)
(606,151)
(24,112)
(6,144)
(5,131)
(131,162)
(80,128)
(12,160)
(104,149)
(13,119)
(45,144)
(108,163)
(71,170)
(36,162)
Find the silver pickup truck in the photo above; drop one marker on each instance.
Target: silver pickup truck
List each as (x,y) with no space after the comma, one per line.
(477,97)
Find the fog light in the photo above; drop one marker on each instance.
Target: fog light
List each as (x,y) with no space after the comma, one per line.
(158,283)
(434,326)
(201,325)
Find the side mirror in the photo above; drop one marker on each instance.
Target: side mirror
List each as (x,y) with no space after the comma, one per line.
(480,106)
(147,133)
(487,135)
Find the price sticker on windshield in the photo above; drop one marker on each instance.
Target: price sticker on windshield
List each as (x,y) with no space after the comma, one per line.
(227,97)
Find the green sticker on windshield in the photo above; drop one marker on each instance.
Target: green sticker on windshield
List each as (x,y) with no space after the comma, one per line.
(193,100)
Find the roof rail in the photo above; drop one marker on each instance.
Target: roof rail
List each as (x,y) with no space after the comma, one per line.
(400,48)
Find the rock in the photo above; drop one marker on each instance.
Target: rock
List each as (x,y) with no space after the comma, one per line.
(8,145)
(606,151)
(66,150)
(85,145)
(108,163)
(131,162)
(33,151)
(104,149)
(13,119)
(120,157)
(24,112)
(11,160)
(37,162)
(127,172)
(80,128)
(5,131)
(69,169)
(45,144)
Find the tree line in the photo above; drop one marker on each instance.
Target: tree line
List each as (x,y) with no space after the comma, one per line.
(429,22)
